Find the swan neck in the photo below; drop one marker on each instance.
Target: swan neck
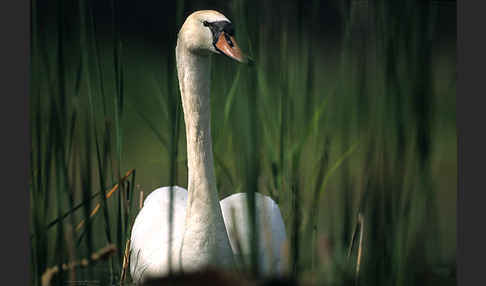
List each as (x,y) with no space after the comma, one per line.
(205,239)
(194,82)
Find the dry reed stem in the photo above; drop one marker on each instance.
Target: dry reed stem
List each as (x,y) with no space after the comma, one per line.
(93,212)
(108,195)
(101,254)
(140,202)
(126,257)
(353,238)
(359,227)
(71,250)
(360,246)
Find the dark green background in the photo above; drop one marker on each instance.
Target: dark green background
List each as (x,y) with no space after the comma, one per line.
(349,109)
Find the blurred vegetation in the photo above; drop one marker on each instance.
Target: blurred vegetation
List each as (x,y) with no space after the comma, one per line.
(347,120)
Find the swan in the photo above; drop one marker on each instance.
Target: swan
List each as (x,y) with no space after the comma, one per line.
(205,232)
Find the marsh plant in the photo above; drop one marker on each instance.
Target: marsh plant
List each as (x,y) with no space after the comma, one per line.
(352,132)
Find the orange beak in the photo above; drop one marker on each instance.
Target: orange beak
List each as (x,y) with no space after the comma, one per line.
(227,45)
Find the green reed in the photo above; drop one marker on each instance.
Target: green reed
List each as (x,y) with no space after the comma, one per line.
(357,127)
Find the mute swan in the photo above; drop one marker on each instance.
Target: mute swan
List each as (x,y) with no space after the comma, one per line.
(205,231)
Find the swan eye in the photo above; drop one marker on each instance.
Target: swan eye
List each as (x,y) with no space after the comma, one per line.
(206,23)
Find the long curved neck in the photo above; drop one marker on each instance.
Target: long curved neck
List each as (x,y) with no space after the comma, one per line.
(193,71)
(205,239)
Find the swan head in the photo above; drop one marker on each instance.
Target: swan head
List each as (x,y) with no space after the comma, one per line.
(208,31)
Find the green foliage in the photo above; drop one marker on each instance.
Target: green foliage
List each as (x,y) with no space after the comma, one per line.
(364,125)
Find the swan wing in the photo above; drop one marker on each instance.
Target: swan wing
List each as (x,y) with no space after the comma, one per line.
(150,233)
(271,230)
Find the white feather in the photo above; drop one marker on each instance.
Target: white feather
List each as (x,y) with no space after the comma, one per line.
(150,232)
(205,232)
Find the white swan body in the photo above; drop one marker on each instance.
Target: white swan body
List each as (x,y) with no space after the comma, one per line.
(271,230)
(200,222)
(150,232)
